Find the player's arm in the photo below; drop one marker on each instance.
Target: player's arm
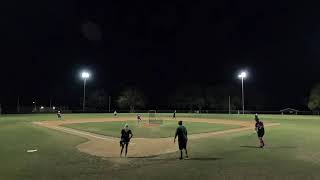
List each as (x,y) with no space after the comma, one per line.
(186,134)
(175,136)
(131,135)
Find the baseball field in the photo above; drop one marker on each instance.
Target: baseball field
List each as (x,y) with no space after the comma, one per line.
(86,146)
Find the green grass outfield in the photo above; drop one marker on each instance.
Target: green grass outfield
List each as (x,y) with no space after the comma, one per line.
(292,153)
(167,129)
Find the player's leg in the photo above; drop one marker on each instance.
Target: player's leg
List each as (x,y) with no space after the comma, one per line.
(122,146)
(181,147)
(261,142)
(260,135)
(185,148)
(126,149)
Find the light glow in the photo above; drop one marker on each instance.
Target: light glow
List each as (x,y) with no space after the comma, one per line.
(85,75)
(242,75)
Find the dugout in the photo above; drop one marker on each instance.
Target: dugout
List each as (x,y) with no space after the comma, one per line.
(289,111)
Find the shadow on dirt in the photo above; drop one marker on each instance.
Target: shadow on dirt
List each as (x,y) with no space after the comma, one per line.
(270,147)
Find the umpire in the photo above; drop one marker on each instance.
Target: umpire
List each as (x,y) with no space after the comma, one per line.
(182,134)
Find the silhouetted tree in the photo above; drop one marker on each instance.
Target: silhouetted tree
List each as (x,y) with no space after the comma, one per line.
(98,99)
(199,102)
(213,97)
(188,97)
(314,98)
(217,97)
(131,98)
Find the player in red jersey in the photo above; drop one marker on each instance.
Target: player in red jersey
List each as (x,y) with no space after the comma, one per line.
(259,127)
(139,118)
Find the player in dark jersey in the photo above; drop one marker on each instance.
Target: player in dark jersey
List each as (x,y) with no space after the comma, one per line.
(182,134)
(138,118)
(174,114)
(59,115)
(126,135)
(259,127)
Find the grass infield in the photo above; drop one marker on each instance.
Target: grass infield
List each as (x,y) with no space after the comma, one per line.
(167,129)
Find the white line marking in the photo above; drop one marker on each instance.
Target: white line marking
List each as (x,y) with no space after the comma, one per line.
(83,133)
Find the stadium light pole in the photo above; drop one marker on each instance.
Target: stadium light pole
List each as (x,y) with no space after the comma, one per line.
(35,105)
(242,76)
(85,75)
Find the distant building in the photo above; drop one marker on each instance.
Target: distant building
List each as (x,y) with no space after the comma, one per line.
(289,111)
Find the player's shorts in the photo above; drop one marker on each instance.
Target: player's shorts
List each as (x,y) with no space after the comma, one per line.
(260,133)
(123,143)
(182,145)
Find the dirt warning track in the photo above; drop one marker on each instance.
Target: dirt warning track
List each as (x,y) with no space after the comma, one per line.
(105,146)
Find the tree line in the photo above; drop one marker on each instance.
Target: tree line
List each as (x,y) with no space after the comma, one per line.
(187,97)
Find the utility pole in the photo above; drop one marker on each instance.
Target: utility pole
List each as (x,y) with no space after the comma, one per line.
(109,102)
(18,105)
(229,106)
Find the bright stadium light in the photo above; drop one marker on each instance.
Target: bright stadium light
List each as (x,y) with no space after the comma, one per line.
(41,107)
(85,75)
(242,76)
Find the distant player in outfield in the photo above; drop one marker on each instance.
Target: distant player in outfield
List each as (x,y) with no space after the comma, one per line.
(182,134)
(174,114)
(59,114)
(259,127)
(115,113)
(138,118)
(126,135)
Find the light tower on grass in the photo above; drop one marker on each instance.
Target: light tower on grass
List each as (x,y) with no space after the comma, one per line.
(35,105)
(85,75)
(242,76)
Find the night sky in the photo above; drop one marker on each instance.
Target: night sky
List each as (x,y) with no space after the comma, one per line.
(157,46)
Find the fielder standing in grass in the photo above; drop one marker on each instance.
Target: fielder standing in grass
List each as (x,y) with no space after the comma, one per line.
(139,118)
(126,135)
(182,134)
(174,114)
(259,127)
(59,115)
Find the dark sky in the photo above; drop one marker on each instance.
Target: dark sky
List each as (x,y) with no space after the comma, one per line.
(157,46)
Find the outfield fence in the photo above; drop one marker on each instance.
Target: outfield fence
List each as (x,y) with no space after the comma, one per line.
(66,109)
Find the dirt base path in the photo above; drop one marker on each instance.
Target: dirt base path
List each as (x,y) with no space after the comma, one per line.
(105,146)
